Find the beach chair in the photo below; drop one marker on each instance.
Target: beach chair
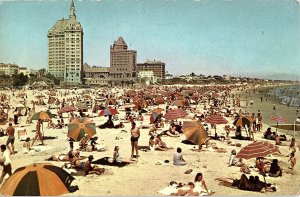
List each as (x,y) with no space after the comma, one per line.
(22,134)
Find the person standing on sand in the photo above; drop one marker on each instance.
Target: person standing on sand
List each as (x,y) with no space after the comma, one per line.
(5,162)
(10,131)
(259,122)
(38,133)
(293,161)
(135,134)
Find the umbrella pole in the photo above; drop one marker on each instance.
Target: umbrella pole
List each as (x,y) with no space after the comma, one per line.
(216,132)
(276,127)
(294,128)
(43,130)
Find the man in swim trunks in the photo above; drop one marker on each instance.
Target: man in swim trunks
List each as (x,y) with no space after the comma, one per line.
(11,138)
(135,134)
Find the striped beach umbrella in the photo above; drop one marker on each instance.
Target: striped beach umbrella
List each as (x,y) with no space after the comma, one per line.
(278,119)
(42,179)
(66,109)
(242,121)
(175,113)
(216,119)
(108,111)
(79,127)
(44,116)
(257,149)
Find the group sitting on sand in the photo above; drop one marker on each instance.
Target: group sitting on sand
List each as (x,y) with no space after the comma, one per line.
(244,183)
(156,143)
(196,188)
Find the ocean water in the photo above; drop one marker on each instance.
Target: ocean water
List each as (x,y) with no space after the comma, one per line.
(287,95)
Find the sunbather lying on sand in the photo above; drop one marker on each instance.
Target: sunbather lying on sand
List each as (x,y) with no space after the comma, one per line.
(84,166)
(251,184)
(187,192)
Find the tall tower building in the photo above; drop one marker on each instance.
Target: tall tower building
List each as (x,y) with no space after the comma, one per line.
(122,62)
(65,49)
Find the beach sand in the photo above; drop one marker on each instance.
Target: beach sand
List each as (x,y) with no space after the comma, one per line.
(150,174)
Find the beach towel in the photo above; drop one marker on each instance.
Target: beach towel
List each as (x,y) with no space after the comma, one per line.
(173,189)
(106,161)
(37,149)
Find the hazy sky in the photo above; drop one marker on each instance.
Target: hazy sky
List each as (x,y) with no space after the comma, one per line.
(238,37)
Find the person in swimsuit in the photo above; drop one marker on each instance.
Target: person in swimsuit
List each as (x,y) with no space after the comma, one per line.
(89,169)
(10,131)
(38,133)
(117,158)
(135,134)
(200,185)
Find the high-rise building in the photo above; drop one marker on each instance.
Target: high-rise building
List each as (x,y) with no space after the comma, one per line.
(122,61)
(65,48)
(157,67)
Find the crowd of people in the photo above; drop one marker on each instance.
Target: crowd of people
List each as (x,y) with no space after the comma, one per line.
(213,103)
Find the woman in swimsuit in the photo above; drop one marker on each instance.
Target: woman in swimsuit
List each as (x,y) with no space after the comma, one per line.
(200,185)
(135,134)
(117,158)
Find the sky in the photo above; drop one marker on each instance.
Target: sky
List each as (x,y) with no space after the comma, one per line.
(255,38)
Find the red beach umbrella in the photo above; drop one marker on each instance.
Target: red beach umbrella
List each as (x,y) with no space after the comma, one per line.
(257,149)
(67,109)
(279,119)
(175,113)
(216,119)
(108,111)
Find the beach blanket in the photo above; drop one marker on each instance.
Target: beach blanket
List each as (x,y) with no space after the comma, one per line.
(106,162)
(173,189)
(36,149)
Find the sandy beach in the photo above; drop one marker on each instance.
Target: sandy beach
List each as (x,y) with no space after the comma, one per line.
(150,173)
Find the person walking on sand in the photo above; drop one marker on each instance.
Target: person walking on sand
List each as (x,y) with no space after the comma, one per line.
(38,133)
(135,134)
(5,162)
(10,131)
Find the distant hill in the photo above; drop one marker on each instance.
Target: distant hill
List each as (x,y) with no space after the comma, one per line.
(283,76)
